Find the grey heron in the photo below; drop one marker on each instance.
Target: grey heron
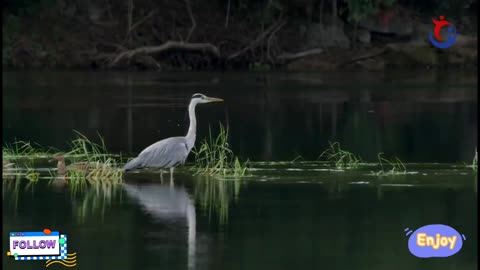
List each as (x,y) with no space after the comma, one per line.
(171,152)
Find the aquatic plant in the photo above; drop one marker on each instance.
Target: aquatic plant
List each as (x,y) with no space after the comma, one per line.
(13,174)
(475,162)
(215,196)
(395,165)
(257,66)
(94,200)
(295,159)
(343,159)
(22,149)
(214,157)
(95,164)
(86,149)
(8,170)
(98,174)
(32,175)
(12,187)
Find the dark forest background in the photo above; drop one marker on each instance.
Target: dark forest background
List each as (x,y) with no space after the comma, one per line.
(234,34)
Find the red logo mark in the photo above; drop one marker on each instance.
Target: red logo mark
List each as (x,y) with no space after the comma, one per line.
(438,26)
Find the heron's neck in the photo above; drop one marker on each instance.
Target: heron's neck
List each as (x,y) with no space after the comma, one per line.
(192,130)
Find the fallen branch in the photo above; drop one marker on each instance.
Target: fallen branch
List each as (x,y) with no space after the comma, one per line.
(129,18)
(169,45)
(269,41)
(142,20)
(131,28)
(255,42)
(364,56)
(194,23)
(294,56)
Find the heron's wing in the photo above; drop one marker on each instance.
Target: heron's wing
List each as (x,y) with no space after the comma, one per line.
(165,153)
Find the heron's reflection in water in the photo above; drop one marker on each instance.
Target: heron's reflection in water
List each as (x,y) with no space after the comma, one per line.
(168,204)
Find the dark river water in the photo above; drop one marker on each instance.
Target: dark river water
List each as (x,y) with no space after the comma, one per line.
(291,212)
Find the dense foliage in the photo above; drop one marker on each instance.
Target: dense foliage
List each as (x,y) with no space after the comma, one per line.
(43,33)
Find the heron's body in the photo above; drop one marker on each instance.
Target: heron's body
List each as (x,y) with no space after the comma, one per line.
(166,153)
(171,152)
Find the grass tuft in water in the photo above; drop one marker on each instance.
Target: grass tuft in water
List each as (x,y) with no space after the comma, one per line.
(12,190)
(32,175)
(215,196)
(390,167)
(92,163)
(296,159)
(341,158)
(214,157)
(95,201)
(475,162)
(87,150)
(22,149)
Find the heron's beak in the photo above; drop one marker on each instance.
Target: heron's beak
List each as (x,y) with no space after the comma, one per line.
(210,99)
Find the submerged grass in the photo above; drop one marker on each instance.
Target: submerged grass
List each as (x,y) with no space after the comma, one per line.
(215,196)
(91,163)
(95,201)
(475,162)
(390,167)
(22,149)
(32,175)
(214,157)
(346,160)
(12,188)
(85,149)
(96,165)
(341,158)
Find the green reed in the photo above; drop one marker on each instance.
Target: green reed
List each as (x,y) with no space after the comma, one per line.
(475,161)
(215,196)
(390,167)
(91,163)
(87,150)
(214,157)
(97,164)
(23,149)
(95,201)
(341,158)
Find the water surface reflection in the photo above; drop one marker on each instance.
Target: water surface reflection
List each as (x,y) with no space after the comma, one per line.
(415,116)
(172,209)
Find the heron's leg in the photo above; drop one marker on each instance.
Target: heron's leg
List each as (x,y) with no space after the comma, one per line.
(171,175)
(161,176)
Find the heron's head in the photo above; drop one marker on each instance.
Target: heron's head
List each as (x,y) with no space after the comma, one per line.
(201,98)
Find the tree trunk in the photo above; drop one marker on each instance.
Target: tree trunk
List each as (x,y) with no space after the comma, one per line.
(129,16)
(321,12)
(228,14)
(355,33)
(334,12)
